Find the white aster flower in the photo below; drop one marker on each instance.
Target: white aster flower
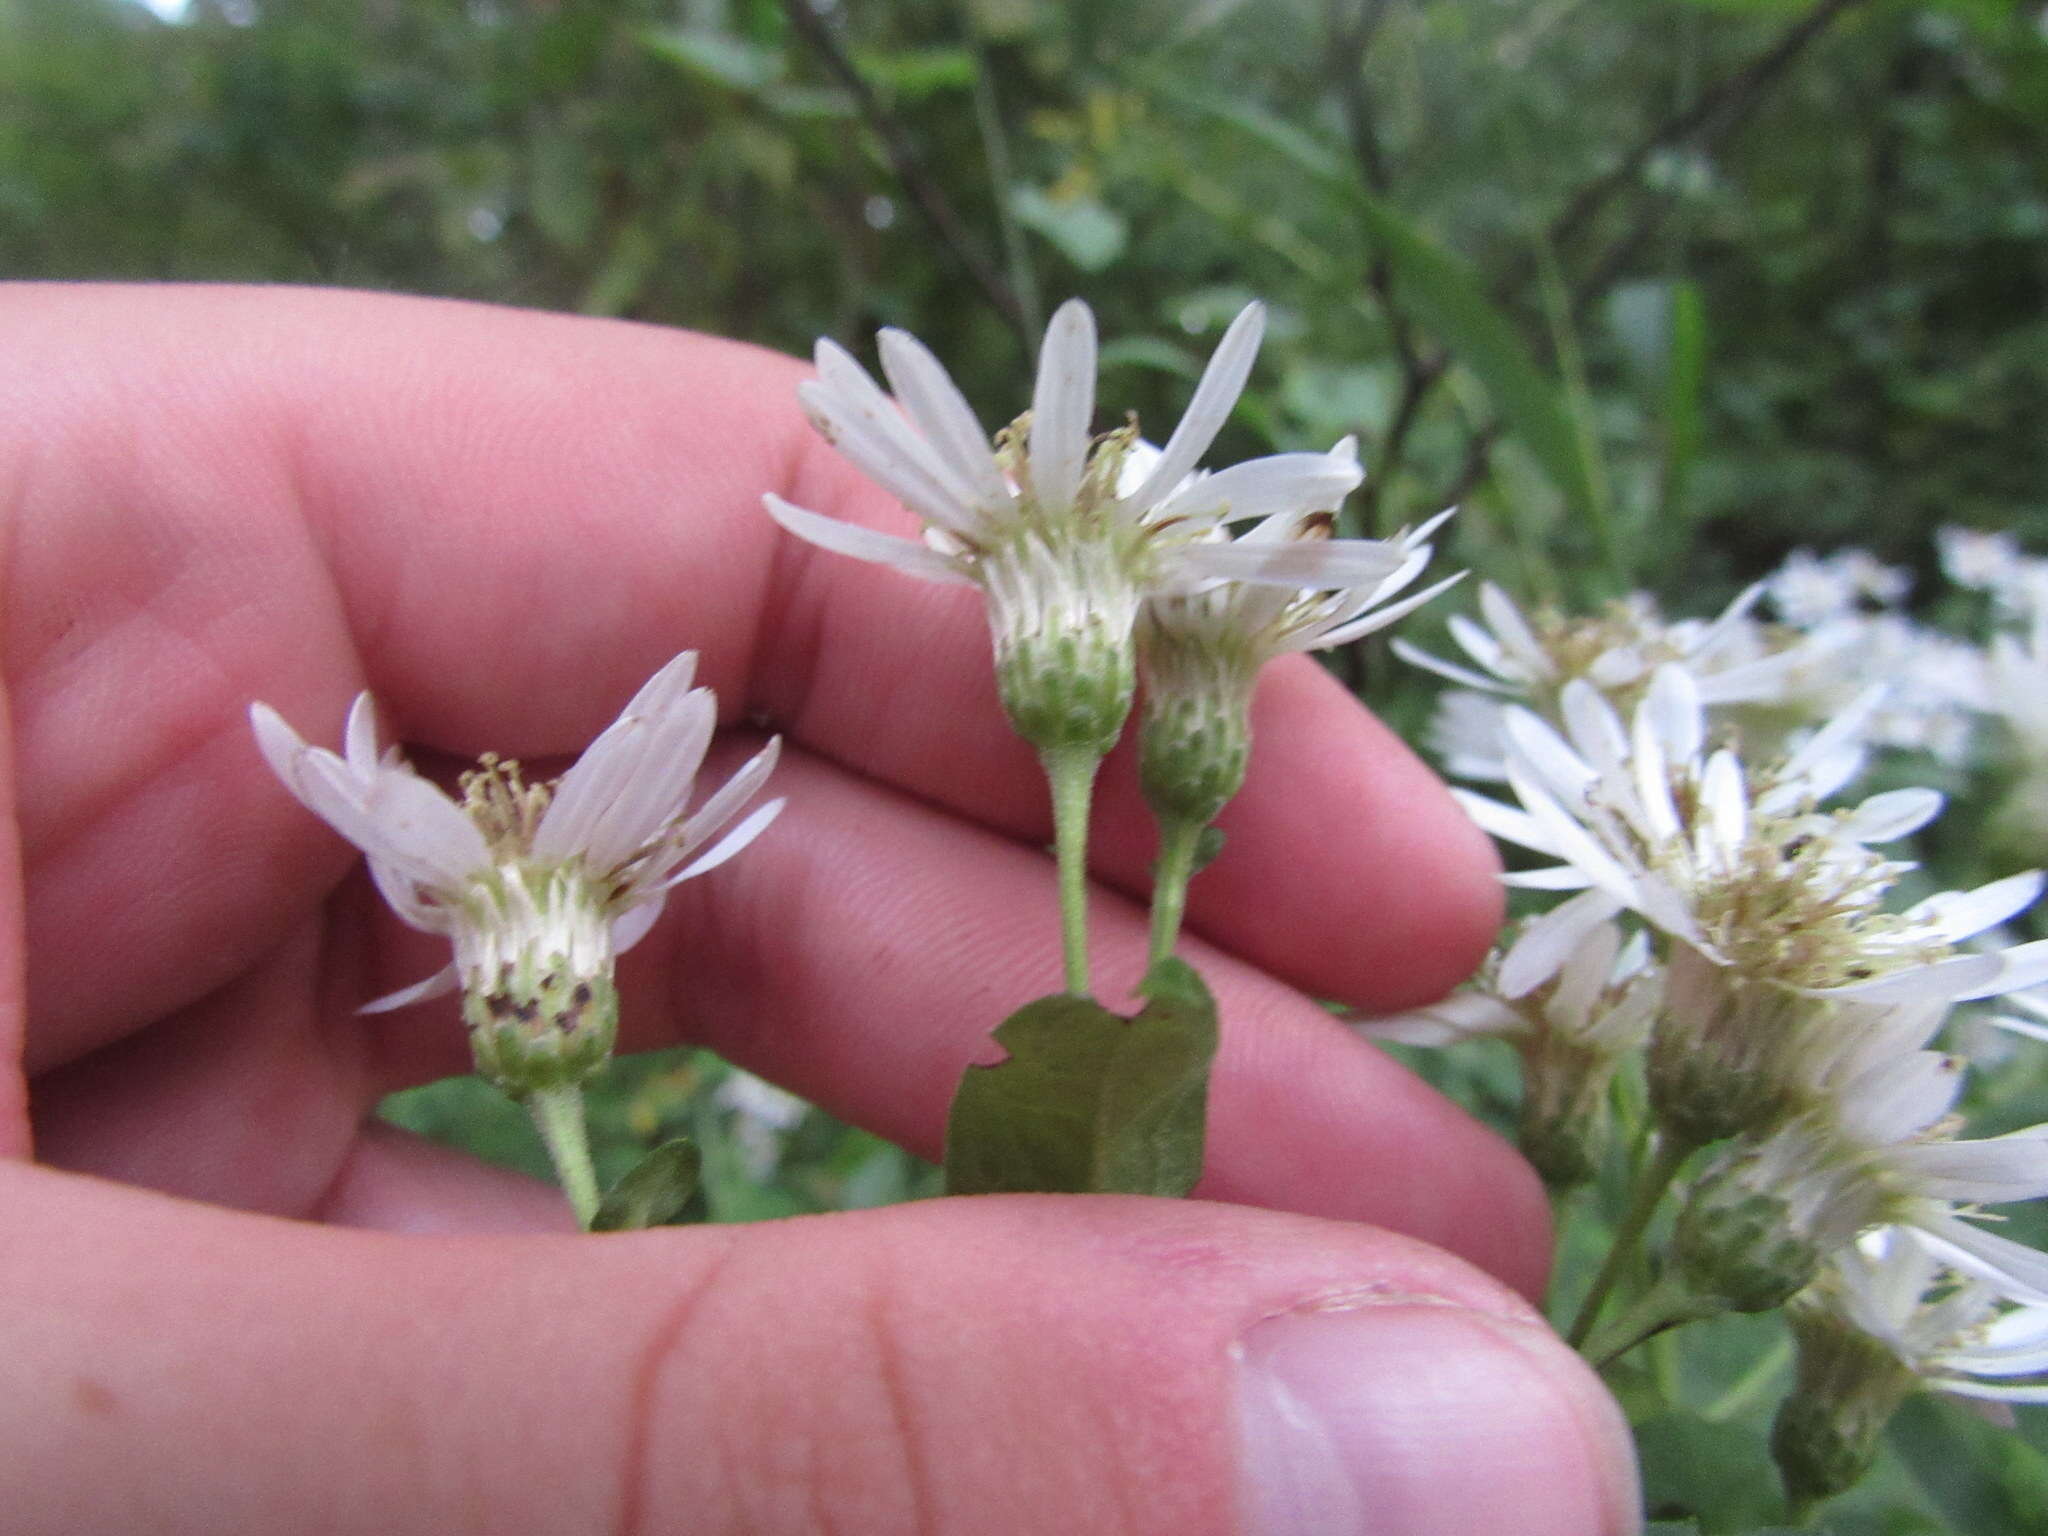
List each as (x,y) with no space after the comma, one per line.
(1874,1144)
(1808,590)
(1884,1317)
(1572,1032)
(1733,660)
(1743,866)
(1050,523)
(1200,652)
(1776,907)
(538,886)
(1959,1333)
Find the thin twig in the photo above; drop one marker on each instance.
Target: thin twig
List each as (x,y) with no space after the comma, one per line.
(1712,114)
(909,169)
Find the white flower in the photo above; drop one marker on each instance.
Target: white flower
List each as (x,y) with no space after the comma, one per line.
(1571,1033)
(1732,660)
(538,886)
(1808,590)
(1877,1147)
(1050,522)
(1200,653)
(1742,867)
(1961,1334)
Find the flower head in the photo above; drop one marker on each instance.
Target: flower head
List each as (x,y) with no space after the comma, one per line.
(1051,521)
(1200,651)
(538,886)
(1732,660)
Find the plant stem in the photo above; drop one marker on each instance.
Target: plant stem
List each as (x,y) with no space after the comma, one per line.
(1648,1194)
(1667,1303)
(1070,771)
(1754,1383)
(1179,842)
(558,1113)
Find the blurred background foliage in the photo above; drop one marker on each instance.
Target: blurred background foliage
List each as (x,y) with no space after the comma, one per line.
(1657,290)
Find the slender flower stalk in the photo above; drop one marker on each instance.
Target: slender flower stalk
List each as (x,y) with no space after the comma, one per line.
(539,887)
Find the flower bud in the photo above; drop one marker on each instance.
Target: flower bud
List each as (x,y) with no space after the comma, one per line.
(1738,1240)
(1718,1062)
(1846,1389)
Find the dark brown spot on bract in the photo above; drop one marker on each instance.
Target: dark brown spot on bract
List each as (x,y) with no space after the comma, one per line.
(95,1398)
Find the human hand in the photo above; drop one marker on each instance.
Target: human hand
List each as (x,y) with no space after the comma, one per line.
(502,523)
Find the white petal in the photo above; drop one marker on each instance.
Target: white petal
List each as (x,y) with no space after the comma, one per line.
(1214,397)
(1063,405)
(1280,483)
(1899,1098)
(1461,1016)
(1547,941)
(1543,756)
(1729,621)
(1957,915)
(1725,800)
(281,746)
(1957,977)
(1570,841)
(730,844)
(1992,1170)
(906,555)
(611,763)
(1834,753)
(1315,563)
(439,984)
(1559,877)
(1895,814)
(1505,821)
(1583,977)
(942,413)
(734,793)
(868,430)
(1380,618)
(1514,634)
(359,737)
(1672,708)
(1593,727)
(636,922)
(1957,1387)
(2024,965)
(2019,1272)
(1415,656)
(644,781)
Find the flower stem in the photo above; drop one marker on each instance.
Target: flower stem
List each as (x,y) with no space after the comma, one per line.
(1648,1194)
(1666,1304)
(1070,772)
(1180,841)
(558,1113)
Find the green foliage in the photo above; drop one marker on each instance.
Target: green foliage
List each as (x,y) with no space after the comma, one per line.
(1087,1101)
(654,1191)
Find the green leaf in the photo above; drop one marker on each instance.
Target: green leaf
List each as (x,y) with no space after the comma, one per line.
(716,56)
(653,1192)
(1089,1102)
(1717,1474)
(1443,293)
(1084,230)
(1984,1480)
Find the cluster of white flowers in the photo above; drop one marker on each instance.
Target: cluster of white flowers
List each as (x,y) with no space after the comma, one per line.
(1681,778)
